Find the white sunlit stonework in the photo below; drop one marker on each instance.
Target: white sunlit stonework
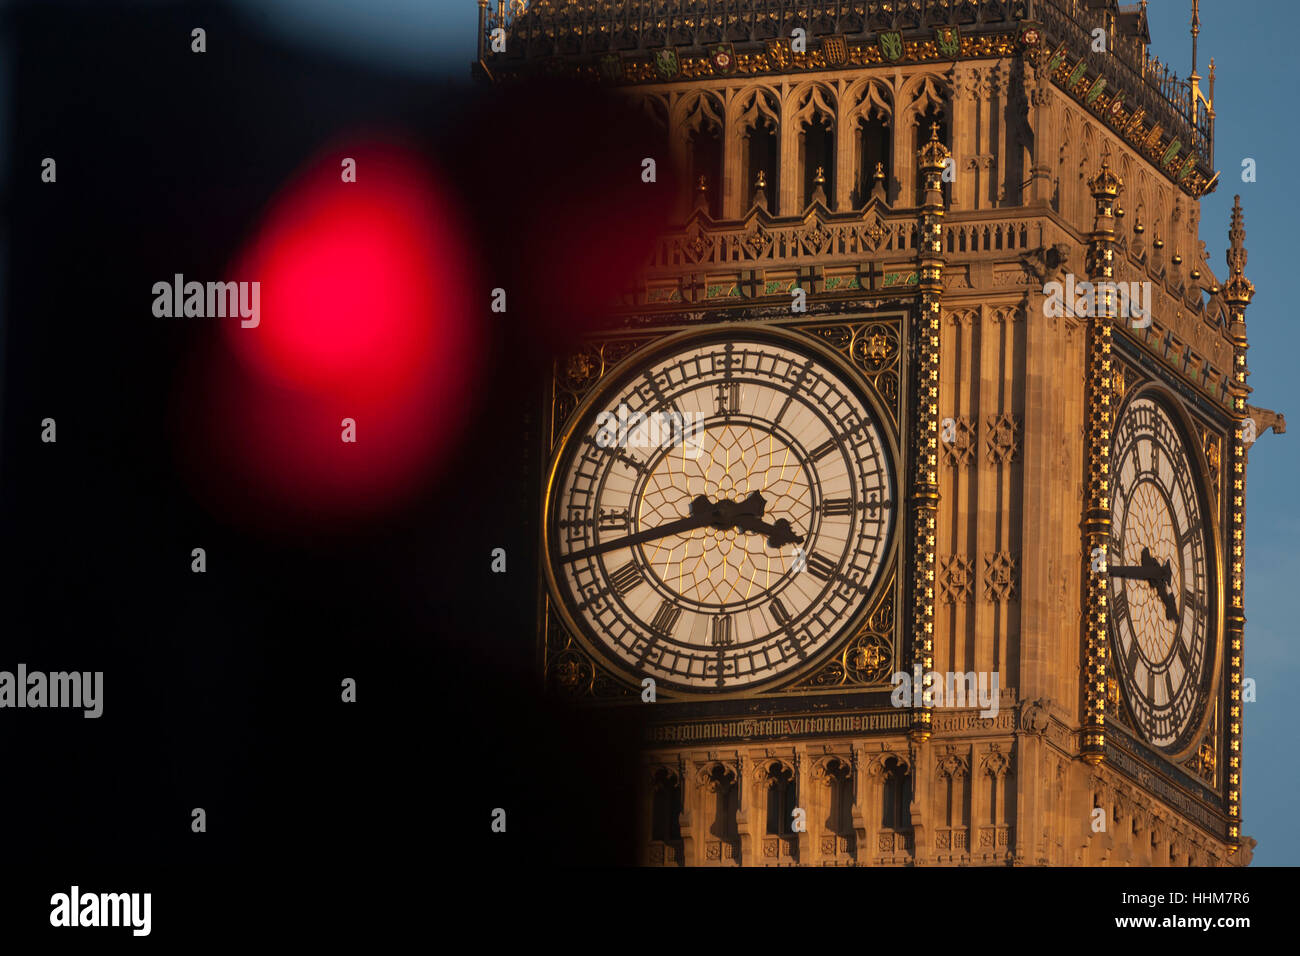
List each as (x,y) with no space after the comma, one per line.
(717,609)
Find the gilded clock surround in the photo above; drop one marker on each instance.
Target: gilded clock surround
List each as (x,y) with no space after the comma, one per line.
(1194,439)
(866,352)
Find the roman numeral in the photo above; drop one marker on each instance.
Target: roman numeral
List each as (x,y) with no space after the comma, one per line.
(666,618)
(728,398)
(779,613)
(1119,605)
(722,630)
(1192,599)
(824,449)
(612,521)
(832,507)
(821,567)
(1193,528)
(625,578)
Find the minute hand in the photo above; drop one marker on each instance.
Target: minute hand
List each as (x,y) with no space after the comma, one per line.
(704,513)
(1136,572)
(778,534)
(1148,570)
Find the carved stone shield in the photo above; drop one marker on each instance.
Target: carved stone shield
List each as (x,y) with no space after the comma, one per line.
(948,39)
(891,45)
(835,50)
(724,58)
(666,63)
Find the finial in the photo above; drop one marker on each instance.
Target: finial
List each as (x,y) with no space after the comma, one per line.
(1105,184)
(1236,239)
(934,154)
(1237,231)
(878,190)
(1238,289)
(818,193)
(702,194)
(1196,30)
(760,190)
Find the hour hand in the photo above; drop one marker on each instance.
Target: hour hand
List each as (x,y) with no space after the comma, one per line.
(1148,570)
(1171,606)
(704,514)
(779,533)
(1158,575)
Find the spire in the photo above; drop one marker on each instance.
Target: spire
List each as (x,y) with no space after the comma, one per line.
(1196,30)
(1238,290)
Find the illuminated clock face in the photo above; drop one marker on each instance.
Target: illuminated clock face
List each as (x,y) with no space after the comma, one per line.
(1162,598)
(722,512)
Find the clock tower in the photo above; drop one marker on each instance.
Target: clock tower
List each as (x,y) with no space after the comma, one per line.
(904,492)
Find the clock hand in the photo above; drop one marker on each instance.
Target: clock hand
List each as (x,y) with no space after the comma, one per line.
(1157,575)
(1134,572)
(1162,589)
(778,534)
(704,513)
(1148,570)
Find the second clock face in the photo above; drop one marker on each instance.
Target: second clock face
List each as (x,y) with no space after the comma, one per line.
(1162,615)
(757,440)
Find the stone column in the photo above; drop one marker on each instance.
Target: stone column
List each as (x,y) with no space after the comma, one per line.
(1105,187)
(1237,292)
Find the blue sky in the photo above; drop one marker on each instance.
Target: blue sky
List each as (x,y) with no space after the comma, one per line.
(1252,47)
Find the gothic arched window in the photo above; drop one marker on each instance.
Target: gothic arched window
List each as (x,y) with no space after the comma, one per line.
(874,142)
(839,808)
(781,799)
(666,807)
(720,782)
(897,796)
